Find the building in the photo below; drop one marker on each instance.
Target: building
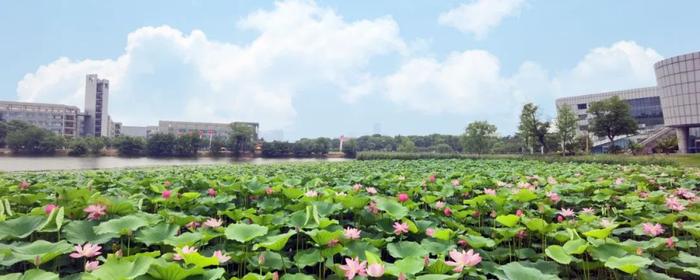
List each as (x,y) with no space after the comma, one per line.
(203,129)
(673,105)
(61,119)
(138,131)
(97,122)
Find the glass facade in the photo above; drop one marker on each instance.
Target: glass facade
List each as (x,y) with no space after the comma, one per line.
(647,111)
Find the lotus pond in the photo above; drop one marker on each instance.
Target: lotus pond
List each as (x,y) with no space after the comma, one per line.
(425,219)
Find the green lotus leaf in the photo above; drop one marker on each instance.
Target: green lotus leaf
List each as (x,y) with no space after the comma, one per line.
(392,207)
(38,274)
(575,246)
(524,195)
(437,277)
(20,227)
(198,260)
(170,270)
(406,249)
(558,254)
(185,239)
(79,232)
(323,237)
(121,226)
(516,271)
(296,276)
(477,242)
(40,250)
(124,268)
(307,257)
(509,220)
(275,242)
(536,224)
(600,233)
(408,266)
(156,234)
(629,264)
(648,274)
(244,232)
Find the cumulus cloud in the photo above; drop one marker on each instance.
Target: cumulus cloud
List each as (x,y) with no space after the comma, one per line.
(471,84)
(166,74)
(480,16)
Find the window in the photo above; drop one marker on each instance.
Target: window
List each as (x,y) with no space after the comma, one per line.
(582,117)
(582,106)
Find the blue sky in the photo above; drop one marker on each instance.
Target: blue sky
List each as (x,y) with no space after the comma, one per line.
(328,68)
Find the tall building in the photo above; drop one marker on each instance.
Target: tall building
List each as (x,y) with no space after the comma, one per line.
(61,119)
(203,129)
(672,106)
(97,121)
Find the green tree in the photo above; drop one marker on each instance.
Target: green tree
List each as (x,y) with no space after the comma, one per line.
(129,146)
(33,140)
(96,144)
(241,139)
(479,137)
(161,144)
(217,143)
(406,145)
(566,127)
(187,145)
(443,148)
(531,128)
(611,118)
(78,147)
(350,148)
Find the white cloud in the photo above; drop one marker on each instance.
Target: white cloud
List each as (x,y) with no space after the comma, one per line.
(480,16)
(165,74)
(471,84)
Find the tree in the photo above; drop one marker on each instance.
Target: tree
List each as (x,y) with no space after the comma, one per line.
(217,143)
(350,148)
(531,128)
(130,146)
(566,127)
(611,118)
(161,144)
(33,140)
(406,145)
(443,148)
(187,145)
(96,144)
(479,137)
(241,139)
(78,147)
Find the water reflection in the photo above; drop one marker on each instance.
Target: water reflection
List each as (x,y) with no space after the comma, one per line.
(66,163)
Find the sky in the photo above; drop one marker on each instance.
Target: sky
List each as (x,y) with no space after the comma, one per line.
(330,68)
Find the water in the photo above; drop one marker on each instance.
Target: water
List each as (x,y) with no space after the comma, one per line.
(71,163)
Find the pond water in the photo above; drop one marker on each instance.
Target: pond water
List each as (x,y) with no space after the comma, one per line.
(71,163)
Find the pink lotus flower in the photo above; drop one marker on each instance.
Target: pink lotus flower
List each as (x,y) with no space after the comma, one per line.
(49,208)
(86,251)
(166,194)
(402,276)
(167,183)
(462,243)
(567,212)
(588,211)
(354,267)
(185,251)
(91,265)
(619,181)
(24,185)
(211,192)
(673,204)
(439,204)
(431,178)
(430,232)
(685,193)
(403,197)
(269,191)
(213,223)
(652,229)
(357,187)
(95,211)
(375,270)
(551,180)
(606,223)
(554,197)
(455,182)
(643,194)
(276,276)
(670,243)
(261,259)
(400,228)
(560,218)
(490,191)
(311,193)
(639,251)
(372,208)
(221,256)
(333,242)
(352,233)
(521,234)
(371,190)
(447,211)
(192,225)
(462,259)
(519,213)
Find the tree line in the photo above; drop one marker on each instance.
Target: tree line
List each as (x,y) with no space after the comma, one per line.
(611,118)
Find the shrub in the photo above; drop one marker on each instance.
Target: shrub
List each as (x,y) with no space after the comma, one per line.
(33,140)
(130,146)
(78,147)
